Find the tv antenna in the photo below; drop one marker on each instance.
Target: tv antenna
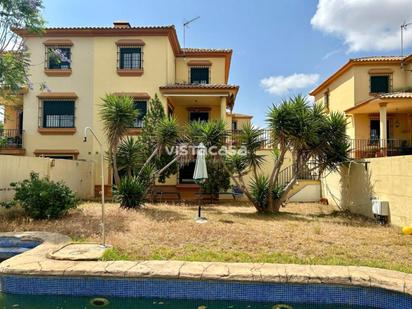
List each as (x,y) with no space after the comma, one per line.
(404,27)
(186,25)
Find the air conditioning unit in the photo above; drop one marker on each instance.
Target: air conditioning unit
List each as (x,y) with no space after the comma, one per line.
(380,210)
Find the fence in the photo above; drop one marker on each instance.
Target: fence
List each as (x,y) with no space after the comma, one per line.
(78,175)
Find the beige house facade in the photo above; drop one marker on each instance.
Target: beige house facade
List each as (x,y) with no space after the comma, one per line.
(141,62)
(376,95)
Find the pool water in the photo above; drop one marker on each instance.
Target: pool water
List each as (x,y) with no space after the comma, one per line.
(11,246)
(9,301)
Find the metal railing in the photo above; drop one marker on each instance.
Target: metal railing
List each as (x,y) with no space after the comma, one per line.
(59,121)
(10,138)
(375,148)
(234,139)
(308,171)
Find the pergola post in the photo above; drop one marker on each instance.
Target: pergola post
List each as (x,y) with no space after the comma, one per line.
(383,128)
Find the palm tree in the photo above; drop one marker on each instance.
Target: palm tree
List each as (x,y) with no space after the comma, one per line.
(118,114)
(251,139)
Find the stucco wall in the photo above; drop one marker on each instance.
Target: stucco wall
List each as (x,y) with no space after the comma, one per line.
(217,69)
(77,175)
(387,178)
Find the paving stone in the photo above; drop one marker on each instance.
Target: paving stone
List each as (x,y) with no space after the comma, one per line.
(331,274)
(193,270)
(79,252)
(273,272)
(216,271)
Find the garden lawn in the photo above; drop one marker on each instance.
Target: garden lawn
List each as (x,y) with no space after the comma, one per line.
(301,233)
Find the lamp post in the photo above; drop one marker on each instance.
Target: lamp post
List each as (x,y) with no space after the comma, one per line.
(86,129)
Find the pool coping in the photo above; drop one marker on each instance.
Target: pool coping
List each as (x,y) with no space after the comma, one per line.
(35,262)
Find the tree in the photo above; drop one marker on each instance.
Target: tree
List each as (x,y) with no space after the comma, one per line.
(118,114)
(14,61)
(304,130)
(158,132)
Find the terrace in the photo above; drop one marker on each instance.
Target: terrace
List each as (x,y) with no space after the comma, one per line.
(11,142)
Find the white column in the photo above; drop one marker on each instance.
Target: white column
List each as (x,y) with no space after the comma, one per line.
(383,123)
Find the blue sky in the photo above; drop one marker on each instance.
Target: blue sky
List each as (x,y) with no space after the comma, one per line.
(279,42)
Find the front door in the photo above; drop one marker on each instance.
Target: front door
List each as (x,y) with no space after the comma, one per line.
(186,173)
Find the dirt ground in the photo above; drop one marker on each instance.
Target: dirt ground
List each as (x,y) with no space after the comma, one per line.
(301,233)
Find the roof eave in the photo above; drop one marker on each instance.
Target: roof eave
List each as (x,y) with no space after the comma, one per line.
(345,68)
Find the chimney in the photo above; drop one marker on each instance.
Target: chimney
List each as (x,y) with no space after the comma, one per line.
(121,24)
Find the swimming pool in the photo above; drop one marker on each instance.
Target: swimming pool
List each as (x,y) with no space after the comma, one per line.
(12,245)
(77,292)
(33,280)
(53,302)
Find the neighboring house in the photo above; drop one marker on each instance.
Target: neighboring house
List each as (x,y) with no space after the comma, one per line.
(192,84)
(376,95)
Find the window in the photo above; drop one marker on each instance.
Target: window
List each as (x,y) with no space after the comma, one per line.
(199,75)
(326,99)
(141,107)
(58,114)
(379,83)
(58,58)
(199,116)
(130,58)
(234,125)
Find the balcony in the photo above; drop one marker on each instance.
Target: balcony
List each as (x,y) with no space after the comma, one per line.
(233,139)
(375,148)
(11,142)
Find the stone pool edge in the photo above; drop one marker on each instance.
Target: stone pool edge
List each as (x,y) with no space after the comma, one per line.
(35,263)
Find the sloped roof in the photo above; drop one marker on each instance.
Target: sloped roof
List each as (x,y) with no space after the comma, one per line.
(396,95)
(360,61)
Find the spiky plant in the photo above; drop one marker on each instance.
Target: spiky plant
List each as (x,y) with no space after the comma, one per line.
(117,114)
(128,155)
(251,139)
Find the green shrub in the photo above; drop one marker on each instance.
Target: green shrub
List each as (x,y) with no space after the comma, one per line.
(42,198)
(218,179)
(259,189)
(130,193)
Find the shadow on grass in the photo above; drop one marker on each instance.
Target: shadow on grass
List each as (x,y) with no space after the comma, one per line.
(161,214)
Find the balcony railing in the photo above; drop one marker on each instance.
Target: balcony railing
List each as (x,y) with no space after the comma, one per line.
(374,148)
(10,138)
(233,139)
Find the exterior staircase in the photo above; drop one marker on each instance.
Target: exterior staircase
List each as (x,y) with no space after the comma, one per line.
(306,188)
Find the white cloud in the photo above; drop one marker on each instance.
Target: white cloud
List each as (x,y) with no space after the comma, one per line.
(279,85)
(365,25)
(310,99)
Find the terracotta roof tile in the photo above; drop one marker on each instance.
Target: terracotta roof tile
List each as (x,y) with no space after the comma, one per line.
(206,50)
(378,58)
(396,95)
(241,115)
(105,28)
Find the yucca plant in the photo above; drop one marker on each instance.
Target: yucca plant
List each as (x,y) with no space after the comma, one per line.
(129,155)
(251,139)
(130,192)
(117,114)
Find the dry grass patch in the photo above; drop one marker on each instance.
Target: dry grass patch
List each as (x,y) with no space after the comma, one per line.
(301,233)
